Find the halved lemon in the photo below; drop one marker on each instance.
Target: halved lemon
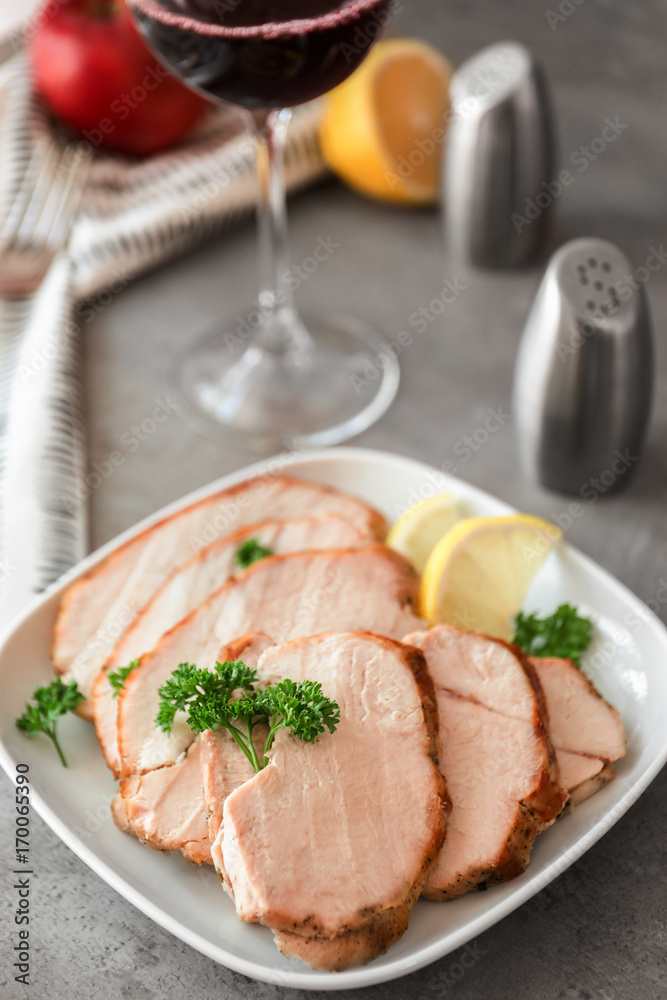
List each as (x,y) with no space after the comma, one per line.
(418,531)
(478,574)
(383,129)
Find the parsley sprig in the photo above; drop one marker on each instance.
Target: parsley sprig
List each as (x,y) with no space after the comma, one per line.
(251,552)
(49,704)
(227,698)
(118,677)
(565,634)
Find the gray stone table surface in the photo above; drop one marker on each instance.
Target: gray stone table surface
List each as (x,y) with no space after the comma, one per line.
(597,933)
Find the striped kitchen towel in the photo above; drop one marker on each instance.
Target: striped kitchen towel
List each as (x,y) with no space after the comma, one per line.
(134,215)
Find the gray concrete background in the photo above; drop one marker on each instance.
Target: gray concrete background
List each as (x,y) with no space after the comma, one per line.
(598,933)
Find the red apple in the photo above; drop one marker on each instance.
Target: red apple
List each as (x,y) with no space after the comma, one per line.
(93,69)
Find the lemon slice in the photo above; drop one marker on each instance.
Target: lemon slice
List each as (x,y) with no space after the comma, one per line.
(478,574)
(418,531)
(383,129)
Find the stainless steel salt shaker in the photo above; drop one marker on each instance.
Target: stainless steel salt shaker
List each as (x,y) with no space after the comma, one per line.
(499,189)
(584,376)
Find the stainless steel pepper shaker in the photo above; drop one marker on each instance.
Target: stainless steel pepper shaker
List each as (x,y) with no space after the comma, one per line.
(584,375)
(499,159)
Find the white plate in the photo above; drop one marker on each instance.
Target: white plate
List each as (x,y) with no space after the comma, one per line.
(627,664)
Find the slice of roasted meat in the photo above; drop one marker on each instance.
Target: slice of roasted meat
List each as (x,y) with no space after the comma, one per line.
(331,843)
(495,754)
(586,732)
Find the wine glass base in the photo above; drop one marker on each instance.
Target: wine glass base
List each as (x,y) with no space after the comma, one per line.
(329,389)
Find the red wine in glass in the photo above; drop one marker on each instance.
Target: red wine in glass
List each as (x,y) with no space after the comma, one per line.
(292,384)
(261,53)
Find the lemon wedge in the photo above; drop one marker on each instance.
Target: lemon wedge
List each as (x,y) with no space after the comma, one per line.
(383,129)
(418,531)
(477,575)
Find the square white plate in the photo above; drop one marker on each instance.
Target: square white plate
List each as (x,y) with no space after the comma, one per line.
(627,663)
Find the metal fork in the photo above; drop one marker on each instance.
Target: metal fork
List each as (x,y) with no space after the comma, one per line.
(41,216)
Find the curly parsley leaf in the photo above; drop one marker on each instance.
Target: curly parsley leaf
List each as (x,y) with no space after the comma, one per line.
(118,677)
(49,703)
(303,708)
(226,698)
(565,634)
(206,695)
(251,552)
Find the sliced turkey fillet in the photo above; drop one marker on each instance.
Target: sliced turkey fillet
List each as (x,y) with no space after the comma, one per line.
(97,609)
(190,585)
(331,843)
(224,768)
(586,732)
(497,770)
(159,808)
(575,769)
(370,588)
(249,648)
(581,721)
(165,808)
(592,785)
(475,666)
(495,755)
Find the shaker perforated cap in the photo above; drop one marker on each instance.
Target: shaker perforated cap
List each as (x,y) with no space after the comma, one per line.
(584,376)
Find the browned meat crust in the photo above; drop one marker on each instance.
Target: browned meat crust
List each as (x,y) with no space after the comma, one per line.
(347,950)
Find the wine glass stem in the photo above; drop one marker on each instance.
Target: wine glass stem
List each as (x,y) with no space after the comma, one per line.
(281,330)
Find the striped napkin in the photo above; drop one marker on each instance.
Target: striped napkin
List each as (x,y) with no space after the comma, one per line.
(134,215)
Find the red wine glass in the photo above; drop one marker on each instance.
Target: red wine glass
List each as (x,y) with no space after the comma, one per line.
(285,383)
